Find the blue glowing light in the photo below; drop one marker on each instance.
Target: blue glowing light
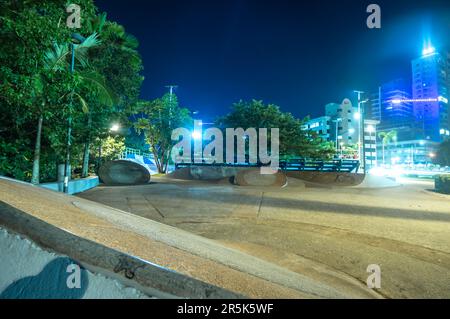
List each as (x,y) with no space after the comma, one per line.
(428,51)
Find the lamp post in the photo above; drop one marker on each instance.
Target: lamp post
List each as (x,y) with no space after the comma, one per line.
(67,170)
(358,116)
(337,134)
(361,139)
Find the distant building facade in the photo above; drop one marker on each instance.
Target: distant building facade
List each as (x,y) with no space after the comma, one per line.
(370,143)
(391,105)
(321,126)
(345,130)
(410,153)
(430,87)
(344,126)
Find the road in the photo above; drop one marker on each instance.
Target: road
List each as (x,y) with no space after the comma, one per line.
(328,234)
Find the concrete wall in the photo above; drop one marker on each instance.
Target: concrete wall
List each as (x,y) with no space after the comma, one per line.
(147,277)
(75,186)
(28,272)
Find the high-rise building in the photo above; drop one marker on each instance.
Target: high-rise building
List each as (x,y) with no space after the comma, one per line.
(430,86)
(373,105)
(392,106)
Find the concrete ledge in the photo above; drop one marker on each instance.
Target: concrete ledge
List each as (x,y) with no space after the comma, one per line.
(206,173)
(75,186)
(253,177)
(146,277)
(328,178)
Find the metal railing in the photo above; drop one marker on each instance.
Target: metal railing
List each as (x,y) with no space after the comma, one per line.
(135,152)
(294,165)
(298,164)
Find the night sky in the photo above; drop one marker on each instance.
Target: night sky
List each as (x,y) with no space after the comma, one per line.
(297,54)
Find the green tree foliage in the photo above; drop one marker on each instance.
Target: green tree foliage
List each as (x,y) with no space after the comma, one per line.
(294,141)
(443,154)
(118,60)
(37,88)
(112,147)
(158,118)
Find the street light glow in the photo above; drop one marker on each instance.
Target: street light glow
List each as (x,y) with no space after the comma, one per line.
(196,135)
(115,128)
(357,115)
(442,99)
(428,51)
(438,99)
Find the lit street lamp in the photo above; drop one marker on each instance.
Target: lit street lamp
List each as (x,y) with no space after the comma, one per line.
(115,128)
(196,135)
(76,38)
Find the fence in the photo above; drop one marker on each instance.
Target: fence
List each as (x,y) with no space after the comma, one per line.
(295,165)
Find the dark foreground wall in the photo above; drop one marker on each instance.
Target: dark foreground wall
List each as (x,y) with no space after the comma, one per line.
(151,279)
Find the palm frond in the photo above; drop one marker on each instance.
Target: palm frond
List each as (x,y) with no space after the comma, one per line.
(82,50)
(84,105)
(106,96)
(96,24)
(131,41)
(90,42)
(56,58)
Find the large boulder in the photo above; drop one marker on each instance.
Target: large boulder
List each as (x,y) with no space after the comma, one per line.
(123,172)
(253,177)
(205,173)
(213,172)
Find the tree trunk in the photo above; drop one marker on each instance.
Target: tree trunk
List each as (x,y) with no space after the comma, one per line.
(37,152)
(99,158)
(87,145)
(162,162)
(167,162)
(85,169)
(157,161)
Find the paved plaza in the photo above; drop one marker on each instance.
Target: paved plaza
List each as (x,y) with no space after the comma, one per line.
(329,234)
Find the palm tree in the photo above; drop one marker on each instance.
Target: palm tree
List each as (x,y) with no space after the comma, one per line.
(117,36)
(112,35)
(57,60)
(387,138)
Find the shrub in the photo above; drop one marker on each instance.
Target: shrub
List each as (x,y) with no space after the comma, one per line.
(442,183)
